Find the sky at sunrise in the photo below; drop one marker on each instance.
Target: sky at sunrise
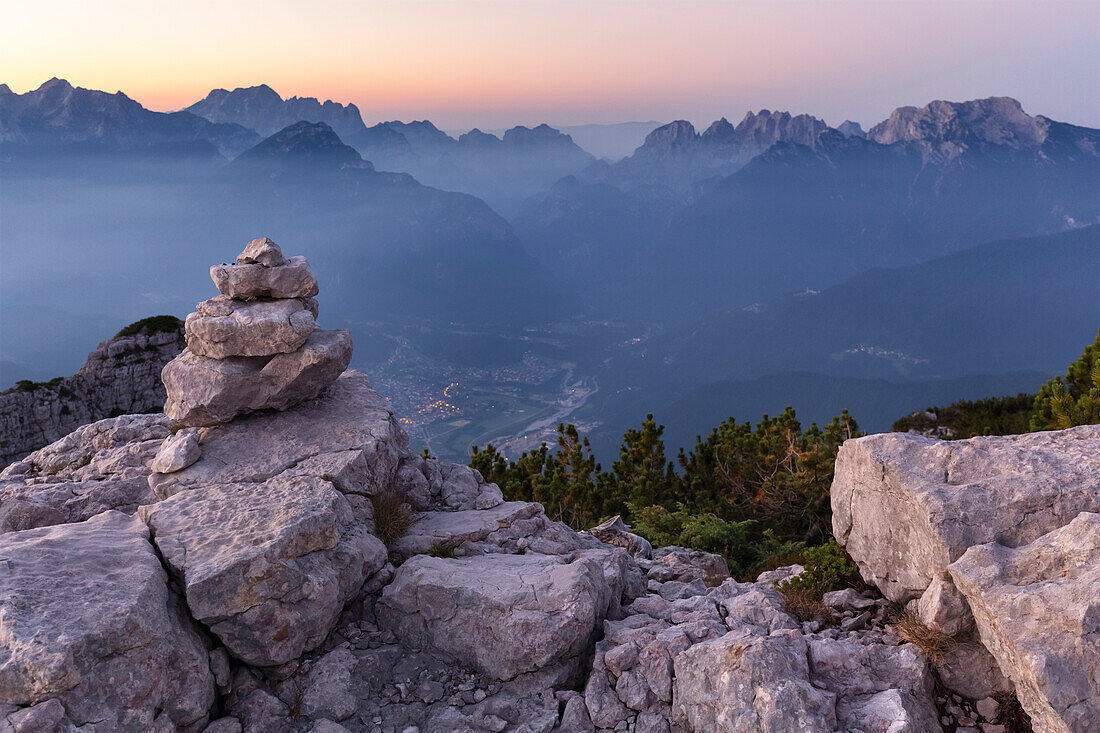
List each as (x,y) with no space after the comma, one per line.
(495,63)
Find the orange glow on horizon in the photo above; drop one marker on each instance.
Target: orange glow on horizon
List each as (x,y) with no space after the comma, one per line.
(498,62)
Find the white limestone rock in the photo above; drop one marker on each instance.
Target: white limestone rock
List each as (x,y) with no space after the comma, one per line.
(1037,608)
(266,566)
(464,528)
(905,507)
(204,391)
(86,618)
(223,327)
(686,565)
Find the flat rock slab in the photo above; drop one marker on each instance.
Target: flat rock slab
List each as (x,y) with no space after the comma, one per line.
(348,436)
(87,619)
(247,282)
(267,567)
(906,507)
(222,326)
(455,528)
(503,615)
(203,391)
(1037,608)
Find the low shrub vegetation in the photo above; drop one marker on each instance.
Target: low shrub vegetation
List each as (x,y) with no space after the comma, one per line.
(150,325)
(754,494)
(827,568)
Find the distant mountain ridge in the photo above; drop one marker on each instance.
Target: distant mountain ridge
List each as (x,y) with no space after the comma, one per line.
(676,155)
(817,206)
(945,130)
(263,110)
(59,114)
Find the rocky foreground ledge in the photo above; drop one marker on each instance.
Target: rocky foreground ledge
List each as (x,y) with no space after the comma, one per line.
(246,575)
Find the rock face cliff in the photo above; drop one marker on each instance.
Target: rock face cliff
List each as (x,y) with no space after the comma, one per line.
(122,376)
(294,567)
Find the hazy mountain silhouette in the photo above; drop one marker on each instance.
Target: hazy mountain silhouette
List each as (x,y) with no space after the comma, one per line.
(302,144)
(132,237)
(59,115)
(503,171)
(800,216)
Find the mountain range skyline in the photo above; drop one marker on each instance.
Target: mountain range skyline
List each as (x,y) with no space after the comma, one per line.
(307,101)
(262,110)
(572,63)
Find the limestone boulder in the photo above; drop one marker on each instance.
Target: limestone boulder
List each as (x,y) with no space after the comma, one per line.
(87,620)
(96,468)
(742,683)
(266,566)
(250,281)
(348,436)
(1037,609)
(222,326)
(204,391)
(905,506)
(503,615)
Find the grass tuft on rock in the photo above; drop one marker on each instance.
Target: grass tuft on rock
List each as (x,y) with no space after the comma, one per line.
(934,644)
(442,549)
(805,605)
(392,516)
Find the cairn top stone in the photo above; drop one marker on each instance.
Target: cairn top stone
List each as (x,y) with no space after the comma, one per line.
(262,251)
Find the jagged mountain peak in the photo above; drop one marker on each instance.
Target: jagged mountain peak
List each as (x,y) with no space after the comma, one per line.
(765,128)
(263,110)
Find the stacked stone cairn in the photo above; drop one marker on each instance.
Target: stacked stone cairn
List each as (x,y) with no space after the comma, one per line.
(256,346)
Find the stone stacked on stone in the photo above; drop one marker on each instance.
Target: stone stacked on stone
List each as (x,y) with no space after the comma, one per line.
(256,346)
